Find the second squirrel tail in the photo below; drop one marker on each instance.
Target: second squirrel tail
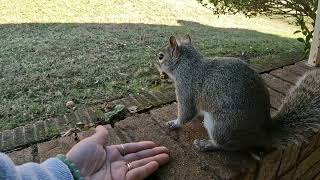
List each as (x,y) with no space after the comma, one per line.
(298,117)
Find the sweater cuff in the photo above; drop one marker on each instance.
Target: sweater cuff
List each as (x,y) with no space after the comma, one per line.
(61,169)
(52,168)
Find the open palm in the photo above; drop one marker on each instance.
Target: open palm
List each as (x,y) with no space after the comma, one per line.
(95,160)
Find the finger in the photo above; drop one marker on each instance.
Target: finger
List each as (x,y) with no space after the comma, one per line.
(143,171)
(161,159)
(145,153)
(101,135)
(101,129)
(135,147)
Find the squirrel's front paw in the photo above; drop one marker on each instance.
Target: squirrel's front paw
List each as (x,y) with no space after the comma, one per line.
(172,125)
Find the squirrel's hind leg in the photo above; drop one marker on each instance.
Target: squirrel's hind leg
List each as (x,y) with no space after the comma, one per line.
(208,123)
(207,145)
(203,144)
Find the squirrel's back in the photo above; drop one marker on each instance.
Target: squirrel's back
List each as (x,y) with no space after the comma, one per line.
(230,84)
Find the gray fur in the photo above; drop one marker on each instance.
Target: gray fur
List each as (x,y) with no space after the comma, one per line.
(298,117)
(237,99)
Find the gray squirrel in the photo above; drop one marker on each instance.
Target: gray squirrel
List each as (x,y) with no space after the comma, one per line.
(234,101)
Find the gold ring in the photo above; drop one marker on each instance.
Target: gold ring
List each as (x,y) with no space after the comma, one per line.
(123,149)
(129,165)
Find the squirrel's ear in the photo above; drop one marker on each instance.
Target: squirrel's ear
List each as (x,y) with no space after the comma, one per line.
(174,46)
(173,42)
(187,39)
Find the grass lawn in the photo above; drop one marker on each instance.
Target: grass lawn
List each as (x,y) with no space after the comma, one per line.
(55,51)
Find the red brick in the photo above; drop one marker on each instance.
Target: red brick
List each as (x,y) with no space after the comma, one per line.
(92,115)
(7,140)
(40,130)
(82,116)
(123,101)
(21,156)
(71,119)
(54,147)
(19,136)
(144,102)
(30,135)
(0,140)
(152,99)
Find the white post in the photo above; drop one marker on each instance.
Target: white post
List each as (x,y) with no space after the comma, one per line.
(314,56)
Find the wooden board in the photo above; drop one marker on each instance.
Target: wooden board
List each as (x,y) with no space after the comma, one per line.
(285,75)
(304,65)
(276,83)
(275,98)
(296,69)
(314,56)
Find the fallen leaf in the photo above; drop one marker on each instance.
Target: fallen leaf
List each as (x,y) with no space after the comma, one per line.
(71,131)
(70,104)
(119,108)
(133,109)
(80,124)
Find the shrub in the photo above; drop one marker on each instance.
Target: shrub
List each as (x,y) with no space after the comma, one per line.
(303,12)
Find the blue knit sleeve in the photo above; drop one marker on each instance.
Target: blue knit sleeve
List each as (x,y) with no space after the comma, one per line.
(51,169)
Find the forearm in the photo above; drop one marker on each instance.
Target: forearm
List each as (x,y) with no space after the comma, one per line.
(186,104)
(186,111)
(51,169)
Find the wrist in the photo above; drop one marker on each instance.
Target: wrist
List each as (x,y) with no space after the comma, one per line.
(72,167)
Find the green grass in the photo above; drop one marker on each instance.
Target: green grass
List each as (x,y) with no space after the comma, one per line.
(55,51)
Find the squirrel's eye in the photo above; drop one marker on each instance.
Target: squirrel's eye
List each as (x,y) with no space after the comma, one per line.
(161,56)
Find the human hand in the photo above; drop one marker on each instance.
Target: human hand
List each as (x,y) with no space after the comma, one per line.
(131,161)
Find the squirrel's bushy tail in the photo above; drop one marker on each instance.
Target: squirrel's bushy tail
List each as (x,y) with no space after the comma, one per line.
(298,117)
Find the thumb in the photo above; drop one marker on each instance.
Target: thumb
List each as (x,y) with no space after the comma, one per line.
(101,135)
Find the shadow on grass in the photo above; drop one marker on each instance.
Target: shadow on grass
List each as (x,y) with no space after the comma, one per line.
(42,66)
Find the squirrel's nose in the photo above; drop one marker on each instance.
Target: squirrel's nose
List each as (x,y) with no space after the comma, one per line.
(163,75)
